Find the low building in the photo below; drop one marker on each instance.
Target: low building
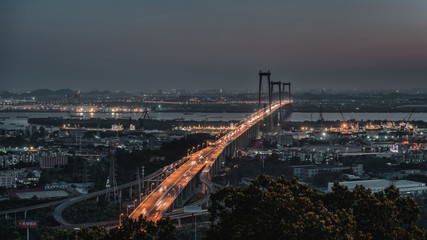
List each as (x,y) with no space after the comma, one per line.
(13,157)
(309,171)
(53,159)
(40,194)
(405,186)
(8,179)
(55,185)
(286,139)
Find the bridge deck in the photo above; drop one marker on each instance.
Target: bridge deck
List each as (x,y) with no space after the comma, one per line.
(158,202)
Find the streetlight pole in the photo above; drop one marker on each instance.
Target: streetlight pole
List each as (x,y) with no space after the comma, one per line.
(195,228)
(120,219)
(28,230)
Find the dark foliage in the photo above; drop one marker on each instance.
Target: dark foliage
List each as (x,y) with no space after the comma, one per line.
(282,209)
(140,229)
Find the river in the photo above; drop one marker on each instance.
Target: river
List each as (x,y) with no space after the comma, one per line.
(18,120)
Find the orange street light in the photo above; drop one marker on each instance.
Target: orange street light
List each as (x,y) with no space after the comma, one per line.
(120,219)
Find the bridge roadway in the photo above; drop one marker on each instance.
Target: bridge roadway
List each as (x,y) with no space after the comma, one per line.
(68,202)
(210,188)
(158,202)
(33,207)
(172,189)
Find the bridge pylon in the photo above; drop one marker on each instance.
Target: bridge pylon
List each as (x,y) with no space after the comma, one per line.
(288,106)
(279,84)
(261,75)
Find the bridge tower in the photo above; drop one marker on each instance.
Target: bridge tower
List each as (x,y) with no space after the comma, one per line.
(261,75)
(288,106)
(288,84)
(279,84)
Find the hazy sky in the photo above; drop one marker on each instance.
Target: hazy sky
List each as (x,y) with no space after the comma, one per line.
(149,45)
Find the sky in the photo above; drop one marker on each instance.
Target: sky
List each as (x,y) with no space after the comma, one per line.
(149,45)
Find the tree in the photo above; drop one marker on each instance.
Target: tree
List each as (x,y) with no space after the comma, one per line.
(140,229)
(282,209)
(295,160)
(324,177)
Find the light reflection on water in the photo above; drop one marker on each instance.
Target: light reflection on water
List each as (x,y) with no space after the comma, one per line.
(17,120)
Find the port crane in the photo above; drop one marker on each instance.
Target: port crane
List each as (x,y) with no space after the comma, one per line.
(322,120)
(410,115)
(142,119)
(345,127)
(406,124)
(129,123)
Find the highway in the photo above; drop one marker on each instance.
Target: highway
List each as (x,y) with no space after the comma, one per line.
(157,203)
(68,202)
(38,206)
(163,196)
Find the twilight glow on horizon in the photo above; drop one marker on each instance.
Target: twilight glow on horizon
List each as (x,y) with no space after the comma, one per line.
(148,45)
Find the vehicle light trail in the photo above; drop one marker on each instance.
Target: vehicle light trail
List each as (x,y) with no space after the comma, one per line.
(158,202)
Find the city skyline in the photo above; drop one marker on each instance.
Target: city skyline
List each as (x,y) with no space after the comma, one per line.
(213,120)
(149,46)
